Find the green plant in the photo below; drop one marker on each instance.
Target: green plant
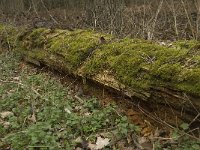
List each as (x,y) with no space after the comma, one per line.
(45,116)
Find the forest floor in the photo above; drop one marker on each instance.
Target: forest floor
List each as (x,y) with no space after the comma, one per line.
(41,109)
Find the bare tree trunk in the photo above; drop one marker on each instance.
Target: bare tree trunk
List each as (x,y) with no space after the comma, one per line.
(152,28)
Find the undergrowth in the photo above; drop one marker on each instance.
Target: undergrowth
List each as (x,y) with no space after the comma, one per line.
(43,115)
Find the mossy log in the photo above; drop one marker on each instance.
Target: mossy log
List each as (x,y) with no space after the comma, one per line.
(137,68)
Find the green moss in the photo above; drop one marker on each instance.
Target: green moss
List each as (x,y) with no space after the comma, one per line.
(38,54)
(71,46)
(139,64)
(144,64)
(75,46)
(36,39)
(185,44)
(168,72)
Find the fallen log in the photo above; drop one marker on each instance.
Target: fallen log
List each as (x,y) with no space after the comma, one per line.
(137,68)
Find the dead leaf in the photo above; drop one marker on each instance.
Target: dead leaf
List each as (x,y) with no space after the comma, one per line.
(145,143)
(68,111)
(142,140)
(87,114)
(101,143)
(5,124)
(1,122)
(32,118)
(146,131)
(78,140)
(6,114)
(16,78)
(91,146)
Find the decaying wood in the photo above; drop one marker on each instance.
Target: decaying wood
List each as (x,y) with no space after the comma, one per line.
(39,47)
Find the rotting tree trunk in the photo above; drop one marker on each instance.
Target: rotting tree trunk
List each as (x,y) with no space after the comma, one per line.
(137,68)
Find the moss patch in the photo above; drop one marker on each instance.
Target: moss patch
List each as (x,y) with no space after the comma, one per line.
(142,64)
(185,44)
(72,46)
